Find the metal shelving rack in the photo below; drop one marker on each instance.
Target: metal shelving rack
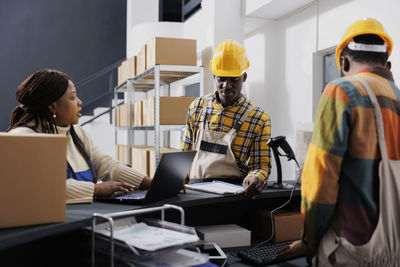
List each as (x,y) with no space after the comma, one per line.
(154,78)
(111,216)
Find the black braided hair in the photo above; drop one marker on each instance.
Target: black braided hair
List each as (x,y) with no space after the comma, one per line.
(36,94)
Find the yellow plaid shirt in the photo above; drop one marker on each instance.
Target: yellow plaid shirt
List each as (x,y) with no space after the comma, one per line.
(250,147)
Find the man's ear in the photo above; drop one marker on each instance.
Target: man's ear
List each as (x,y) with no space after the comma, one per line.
(388,65)
(345,62)
(244,76)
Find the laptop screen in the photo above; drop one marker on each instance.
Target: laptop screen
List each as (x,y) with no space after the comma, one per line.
(167,181)
(169,176)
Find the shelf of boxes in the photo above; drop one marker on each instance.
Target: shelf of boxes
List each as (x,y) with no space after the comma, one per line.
(151,119)
(160,62)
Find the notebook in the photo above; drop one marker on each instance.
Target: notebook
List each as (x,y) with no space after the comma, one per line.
(167,182)
(217,187)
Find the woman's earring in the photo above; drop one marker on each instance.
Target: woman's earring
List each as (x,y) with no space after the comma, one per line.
(54,115)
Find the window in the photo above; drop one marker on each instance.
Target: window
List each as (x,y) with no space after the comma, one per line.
(331,71)
(177,10)
(324,71)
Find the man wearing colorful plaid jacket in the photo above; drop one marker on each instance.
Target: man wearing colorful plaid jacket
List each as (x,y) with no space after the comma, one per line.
(340,186)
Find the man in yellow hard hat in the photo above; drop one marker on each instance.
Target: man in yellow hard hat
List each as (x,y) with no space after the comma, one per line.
(229,133)
(351,206)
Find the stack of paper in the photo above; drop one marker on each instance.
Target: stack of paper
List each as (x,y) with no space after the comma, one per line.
(176,258)
(217,187)
(150,238)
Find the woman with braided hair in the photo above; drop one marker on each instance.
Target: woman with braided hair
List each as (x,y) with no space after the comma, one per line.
(49,104)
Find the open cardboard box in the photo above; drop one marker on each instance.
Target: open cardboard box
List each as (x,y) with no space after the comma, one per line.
(288,224)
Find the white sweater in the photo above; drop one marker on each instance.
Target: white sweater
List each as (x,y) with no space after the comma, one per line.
(106,168)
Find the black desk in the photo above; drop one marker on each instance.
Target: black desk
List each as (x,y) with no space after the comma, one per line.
(200,209)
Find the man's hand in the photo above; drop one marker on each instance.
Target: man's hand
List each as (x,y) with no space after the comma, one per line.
(252,186)
(109,187)
(297,248)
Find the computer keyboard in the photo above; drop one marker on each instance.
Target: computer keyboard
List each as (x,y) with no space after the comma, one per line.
(264,255)
(134,195)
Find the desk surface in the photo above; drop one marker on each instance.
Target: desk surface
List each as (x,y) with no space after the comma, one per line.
(80,215)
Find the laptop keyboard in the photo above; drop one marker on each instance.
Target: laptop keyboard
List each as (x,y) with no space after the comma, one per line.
(134,195)
(265,254)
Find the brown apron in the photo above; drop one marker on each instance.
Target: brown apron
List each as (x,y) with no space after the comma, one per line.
(383,249)
(214,157)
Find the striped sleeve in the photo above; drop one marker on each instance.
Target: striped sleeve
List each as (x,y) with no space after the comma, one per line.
(259,162)
(106,167)
(323,162)
(188,135)
(79,191)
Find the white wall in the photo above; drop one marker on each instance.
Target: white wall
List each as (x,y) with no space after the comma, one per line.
(281,77)
(279,80)
(142,24)
(215,22)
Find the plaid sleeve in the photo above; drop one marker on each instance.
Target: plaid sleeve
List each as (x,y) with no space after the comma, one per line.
(259,151)
(322,166)
(188,135)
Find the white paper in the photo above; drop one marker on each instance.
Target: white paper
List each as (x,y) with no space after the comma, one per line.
(151,238)
(177,258)
(217,187)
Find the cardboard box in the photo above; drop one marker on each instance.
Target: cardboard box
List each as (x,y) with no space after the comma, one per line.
(121,154)
(148,112)
(152,158)
(173,110)
(140,158)
(119,74)
(143,158)
(137,113)
(117,115)
(32,187)
(141,61)
(288,224)
(132,67)
(124,115)
(116,151)
(123,72)
(171,51)
(226,235)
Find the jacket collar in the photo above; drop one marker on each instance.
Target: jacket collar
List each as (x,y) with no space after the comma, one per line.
(379,70)
(238,102)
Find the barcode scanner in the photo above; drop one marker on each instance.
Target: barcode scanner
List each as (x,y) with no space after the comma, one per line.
(275,143)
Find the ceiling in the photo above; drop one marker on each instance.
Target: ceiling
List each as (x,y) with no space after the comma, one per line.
(273,9)
(260,12)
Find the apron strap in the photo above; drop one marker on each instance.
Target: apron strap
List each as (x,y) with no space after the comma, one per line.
(378,117)
(238,124)
(203,114)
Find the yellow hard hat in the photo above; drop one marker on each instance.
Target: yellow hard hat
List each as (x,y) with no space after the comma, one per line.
(360,27)
(229,59)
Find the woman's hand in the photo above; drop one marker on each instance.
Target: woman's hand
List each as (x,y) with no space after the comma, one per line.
(146,182)
(110,187)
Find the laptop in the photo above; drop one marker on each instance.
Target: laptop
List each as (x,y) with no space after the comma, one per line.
(167,182)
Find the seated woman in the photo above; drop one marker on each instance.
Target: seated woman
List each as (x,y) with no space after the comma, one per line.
(49,104)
